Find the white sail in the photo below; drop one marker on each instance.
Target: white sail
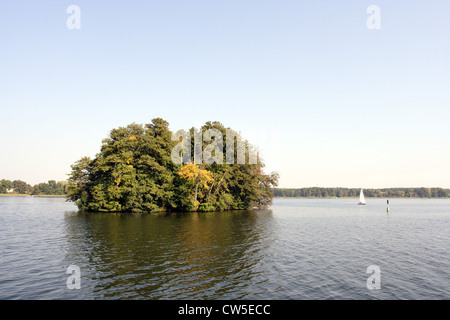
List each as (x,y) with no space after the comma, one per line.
(362,201)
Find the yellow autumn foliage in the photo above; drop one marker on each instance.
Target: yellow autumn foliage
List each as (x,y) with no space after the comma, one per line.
(193,173)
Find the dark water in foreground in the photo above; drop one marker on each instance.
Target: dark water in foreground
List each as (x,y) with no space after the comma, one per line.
(299,249)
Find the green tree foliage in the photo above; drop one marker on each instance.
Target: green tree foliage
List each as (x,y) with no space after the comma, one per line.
(134,172)
(6,185)
(22,187)
(50,188)
(316,192)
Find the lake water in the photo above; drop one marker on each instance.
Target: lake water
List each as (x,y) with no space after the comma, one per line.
(297,249)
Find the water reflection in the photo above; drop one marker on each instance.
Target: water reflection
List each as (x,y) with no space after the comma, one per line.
(176,256)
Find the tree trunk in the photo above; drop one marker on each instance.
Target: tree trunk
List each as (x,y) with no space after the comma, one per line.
(195,194)
(220,182)
(210,189)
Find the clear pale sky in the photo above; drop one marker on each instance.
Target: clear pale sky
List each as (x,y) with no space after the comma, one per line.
(341,105)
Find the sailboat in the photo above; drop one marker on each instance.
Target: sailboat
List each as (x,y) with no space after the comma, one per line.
(362,201)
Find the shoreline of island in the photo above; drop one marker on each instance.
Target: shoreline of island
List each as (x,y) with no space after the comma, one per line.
(275,197)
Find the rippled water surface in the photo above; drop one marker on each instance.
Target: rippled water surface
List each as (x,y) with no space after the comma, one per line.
(297,249)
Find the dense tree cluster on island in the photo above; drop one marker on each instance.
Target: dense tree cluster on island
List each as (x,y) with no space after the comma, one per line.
(135,172)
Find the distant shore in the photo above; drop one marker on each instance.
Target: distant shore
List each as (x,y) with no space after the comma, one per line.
(386,193)
(29,195)
(358,197)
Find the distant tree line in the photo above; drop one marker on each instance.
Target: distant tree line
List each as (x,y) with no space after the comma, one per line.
(50,188)
(317,192)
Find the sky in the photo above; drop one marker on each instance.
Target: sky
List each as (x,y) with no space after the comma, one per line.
(329,101)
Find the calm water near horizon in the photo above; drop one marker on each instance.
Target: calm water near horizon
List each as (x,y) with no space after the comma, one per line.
(296,249)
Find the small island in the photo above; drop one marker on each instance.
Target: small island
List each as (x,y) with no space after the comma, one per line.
(135,171)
